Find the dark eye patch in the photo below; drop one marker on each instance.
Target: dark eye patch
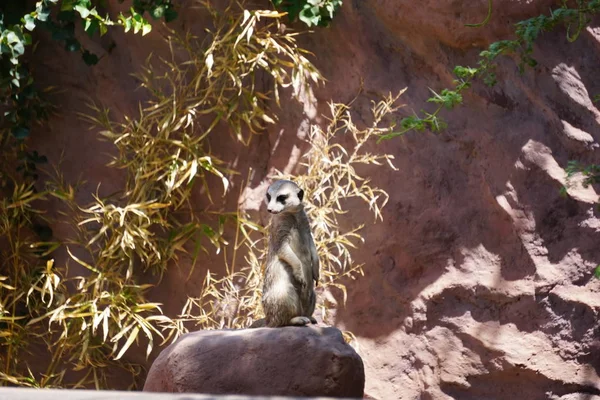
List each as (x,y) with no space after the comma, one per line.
(282,198)
(268,197)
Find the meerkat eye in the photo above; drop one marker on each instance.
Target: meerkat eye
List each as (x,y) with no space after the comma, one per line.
(268,197)
(282,198)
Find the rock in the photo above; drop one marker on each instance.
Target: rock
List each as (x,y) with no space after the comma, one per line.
(577,136)
(576,396)
(289,361)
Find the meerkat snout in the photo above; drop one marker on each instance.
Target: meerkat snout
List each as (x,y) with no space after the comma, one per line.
(284,196)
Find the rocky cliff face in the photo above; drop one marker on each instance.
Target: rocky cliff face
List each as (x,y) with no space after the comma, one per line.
(479,281)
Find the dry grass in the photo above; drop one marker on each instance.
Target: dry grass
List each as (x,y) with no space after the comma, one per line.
(222,77)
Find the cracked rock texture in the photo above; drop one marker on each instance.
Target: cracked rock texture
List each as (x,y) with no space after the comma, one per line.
(289,361)
(479,280)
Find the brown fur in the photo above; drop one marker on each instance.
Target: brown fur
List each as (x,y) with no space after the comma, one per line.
(292,267)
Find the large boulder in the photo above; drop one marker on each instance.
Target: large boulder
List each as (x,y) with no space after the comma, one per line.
(289,361)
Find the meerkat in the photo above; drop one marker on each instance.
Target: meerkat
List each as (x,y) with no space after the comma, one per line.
(292,267)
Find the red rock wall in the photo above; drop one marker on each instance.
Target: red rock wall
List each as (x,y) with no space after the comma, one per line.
(479,281)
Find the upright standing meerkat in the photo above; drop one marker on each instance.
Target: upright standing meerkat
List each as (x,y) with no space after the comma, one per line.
(292,262)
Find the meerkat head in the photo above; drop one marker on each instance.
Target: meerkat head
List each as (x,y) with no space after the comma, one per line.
(284,196)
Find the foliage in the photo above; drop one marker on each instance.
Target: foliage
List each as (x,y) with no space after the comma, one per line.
(36,307)
(222,76)
(311,12)
(16,216)
(526,32)
(590,172)
(22,103)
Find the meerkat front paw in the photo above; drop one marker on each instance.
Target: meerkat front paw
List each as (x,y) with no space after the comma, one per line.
(300,280)
(299,321)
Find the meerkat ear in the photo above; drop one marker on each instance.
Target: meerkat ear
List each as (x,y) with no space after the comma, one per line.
(301,194)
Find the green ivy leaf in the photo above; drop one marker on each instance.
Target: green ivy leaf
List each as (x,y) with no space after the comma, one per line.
(146,28)
(82,10)
(66,5)
(597,272)
(157,12)
(11,37)
(91,26)
(465,72)
(412,122)
(126,22)
(311,12)
(20,132)
(170,15)
(90,58)
(19,48)
(29,22)
(490,79)
(448,98)
(43,13)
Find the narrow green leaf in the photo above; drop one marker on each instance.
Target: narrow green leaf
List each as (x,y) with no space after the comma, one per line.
(129,341)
